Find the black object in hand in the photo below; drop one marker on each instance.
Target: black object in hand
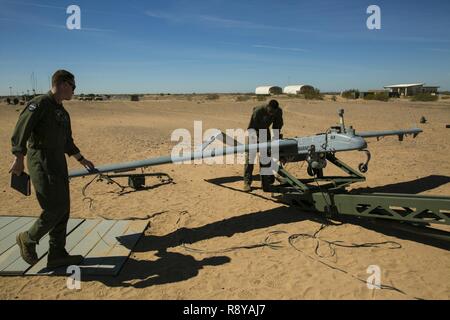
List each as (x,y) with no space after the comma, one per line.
(21,183)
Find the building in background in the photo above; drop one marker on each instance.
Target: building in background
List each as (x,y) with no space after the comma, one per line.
(268,90)
(411,89)
(298,89)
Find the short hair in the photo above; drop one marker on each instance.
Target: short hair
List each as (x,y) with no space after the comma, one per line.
(273,104)
(61,76)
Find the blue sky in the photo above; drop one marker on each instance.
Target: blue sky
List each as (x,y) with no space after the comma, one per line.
(224,45)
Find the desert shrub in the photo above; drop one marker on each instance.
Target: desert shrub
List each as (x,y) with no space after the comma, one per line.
(379,96)
(350,94)
(424,97)
(313,95)
(242,98)
(334,98)
(296,96)
(445,97)
(261,98)
(213,96)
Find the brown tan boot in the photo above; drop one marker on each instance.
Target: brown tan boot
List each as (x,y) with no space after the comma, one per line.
(27,248)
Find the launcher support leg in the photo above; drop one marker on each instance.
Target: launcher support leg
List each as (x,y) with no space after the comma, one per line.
(392,206)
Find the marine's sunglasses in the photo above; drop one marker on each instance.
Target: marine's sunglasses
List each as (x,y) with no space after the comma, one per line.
(72,85)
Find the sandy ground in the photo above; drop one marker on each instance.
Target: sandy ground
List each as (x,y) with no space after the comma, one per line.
(205,210)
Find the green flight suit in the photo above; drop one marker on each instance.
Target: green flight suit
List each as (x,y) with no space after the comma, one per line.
(45,125)
(262,120)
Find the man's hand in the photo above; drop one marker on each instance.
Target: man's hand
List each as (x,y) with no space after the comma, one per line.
(17,166)
(87,164)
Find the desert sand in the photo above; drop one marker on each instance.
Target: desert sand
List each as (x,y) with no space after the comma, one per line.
(205,236)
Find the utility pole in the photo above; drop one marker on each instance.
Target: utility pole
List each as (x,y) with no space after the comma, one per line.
(10,91)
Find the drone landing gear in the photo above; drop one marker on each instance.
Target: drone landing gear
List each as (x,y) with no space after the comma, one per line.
(364,167)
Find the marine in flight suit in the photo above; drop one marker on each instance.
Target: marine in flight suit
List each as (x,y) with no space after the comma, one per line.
(262,118)
(43,132)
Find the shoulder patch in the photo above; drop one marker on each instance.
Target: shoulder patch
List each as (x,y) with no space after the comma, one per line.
(32,107)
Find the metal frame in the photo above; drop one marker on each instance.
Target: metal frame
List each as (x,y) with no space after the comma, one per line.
(333,183)
(333,199)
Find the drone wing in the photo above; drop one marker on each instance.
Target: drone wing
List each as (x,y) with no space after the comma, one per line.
(399,133)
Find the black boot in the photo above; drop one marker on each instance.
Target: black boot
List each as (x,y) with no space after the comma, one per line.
(60,258)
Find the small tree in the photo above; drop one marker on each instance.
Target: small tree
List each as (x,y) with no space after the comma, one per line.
(313,94)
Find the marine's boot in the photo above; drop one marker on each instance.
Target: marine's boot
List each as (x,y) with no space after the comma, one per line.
(247,187)
(281,180)
(60,258)
(27,248)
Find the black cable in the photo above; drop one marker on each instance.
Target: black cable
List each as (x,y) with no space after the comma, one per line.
(99,178)
(293,237)
(265,243)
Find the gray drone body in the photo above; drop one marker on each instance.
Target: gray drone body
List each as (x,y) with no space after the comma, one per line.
(312,149)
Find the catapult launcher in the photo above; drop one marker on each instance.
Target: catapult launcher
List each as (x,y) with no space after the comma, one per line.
(320,192)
